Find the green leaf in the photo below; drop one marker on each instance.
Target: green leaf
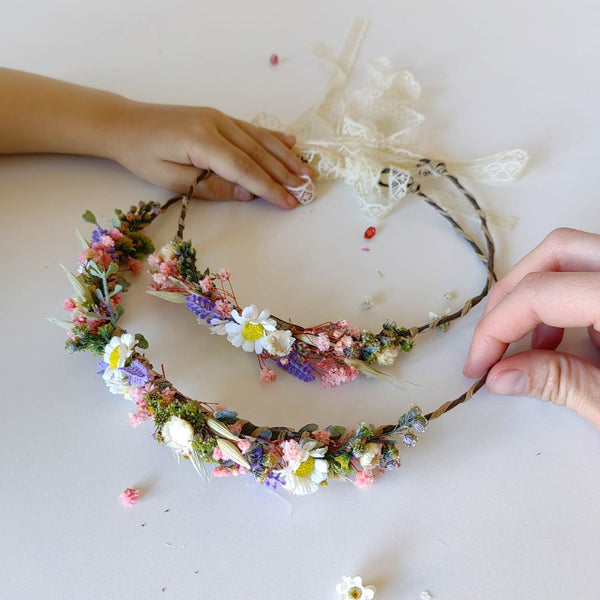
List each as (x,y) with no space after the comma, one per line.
(142,342)
(82,240)
(308,428)
(118,311)
(117,289)
(99,295)
(112,268)
(88,217)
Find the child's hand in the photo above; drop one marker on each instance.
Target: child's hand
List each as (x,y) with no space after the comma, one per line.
(555,286)
(167,145)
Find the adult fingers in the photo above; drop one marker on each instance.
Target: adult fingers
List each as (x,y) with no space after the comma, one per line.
(563,249)
(555,299)
(555,377)
(546,337)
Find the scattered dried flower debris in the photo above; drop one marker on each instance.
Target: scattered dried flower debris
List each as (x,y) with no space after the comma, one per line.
(274,59)
(130,496)
(370,232)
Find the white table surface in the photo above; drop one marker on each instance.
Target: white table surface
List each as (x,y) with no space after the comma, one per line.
(499,500)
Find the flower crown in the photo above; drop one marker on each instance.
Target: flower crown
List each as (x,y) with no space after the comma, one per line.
(335,352)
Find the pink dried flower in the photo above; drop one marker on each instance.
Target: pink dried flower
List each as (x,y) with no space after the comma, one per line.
(244,446)
(337,334)
(267,375)
(95,324)
(322,342)
(154,260)
(116,299)
(235,428)
(134,265)
(130,496)
(354,332)
(223,308)
(346,341)
(222,472)
(338,347)
(115,234)
(138,417)
(206,284)
(168,393)
(217,453)
(363,479)
(335,374)
(292,452)
(106,241)
(322,436)
(69,304)
(224,273)
(159,277)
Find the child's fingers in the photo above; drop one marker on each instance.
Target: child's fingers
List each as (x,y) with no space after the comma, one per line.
(178,178)
(260,153)
(288,139)
(232,164)
(275,143)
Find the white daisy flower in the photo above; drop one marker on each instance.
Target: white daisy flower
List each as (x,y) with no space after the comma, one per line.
(305,475)
(279,342)
(116,353)
(250,329)
(352,588)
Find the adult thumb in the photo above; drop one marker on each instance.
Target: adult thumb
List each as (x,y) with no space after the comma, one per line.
(556,377)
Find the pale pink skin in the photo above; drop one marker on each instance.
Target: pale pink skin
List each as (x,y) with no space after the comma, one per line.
(554,287)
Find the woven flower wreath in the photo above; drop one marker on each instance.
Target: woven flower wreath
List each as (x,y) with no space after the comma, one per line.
(334,352)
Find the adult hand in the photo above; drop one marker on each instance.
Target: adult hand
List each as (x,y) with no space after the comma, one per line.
(167,145)
(556,286)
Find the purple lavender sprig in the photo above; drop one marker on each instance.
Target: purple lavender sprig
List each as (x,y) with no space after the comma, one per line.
(295,365)
(202,307)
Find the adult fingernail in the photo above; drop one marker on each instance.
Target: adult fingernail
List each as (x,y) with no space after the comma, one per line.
(240,193)
(304,170)
(511,382)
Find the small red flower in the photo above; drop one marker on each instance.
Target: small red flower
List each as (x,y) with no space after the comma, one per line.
(274,59)
(370,232)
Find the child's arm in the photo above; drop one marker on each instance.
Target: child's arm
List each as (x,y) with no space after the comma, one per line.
(166,145)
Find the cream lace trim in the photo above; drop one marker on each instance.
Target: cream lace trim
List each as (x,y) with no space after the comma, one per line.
(355,136)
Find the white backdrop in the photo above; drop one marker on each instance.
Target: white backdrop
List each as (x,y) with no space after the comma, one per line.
(500,497)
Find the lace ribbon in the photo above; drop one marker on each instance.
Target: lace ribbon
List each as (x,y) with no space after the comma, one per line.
(356,136)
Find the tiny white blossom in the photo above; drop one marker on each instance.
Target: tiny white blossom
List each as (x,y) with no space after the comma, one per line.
(371,455)
(178,433)
(279,342)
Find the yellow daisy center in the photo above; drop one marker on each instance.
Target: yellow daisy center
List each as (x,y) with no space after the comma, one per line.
(113,359)
(253,331)
(355,593)
(306,467)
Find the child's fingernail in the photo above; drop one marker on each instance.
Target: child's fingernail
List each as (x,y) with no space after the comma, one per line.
(240,193)
(290,201)
(511,382)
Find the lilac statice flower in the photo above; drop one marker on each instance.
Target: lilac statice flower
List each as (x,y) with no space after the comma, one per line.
(138,374)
